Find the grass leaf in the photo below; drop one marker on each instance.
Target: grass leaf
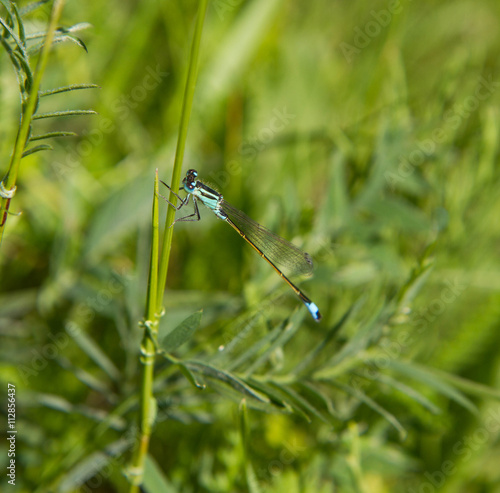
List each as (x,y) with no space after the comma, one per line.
(429,378)
(50,135)
(54,114)
(155,480)
(93,351)
(182,333)
(41,147)
(69,88)
(236,383)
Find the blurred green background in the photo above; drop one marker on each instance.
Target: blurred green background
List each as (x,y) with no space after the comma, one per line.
(367,134)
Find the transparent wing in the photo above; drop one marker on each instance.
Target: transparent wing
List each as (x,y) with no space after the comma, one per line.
(287,257)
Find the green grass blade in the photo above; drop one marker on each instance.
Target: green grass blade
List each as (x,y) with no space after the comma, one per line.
(155,480)
(189,376)
(235,382)
(187,103)
(72,87)
(255,349)
(20,26)
(297,401)
(53,114)
(17,41)
(375,406)
(51,135)
(408,391)
(251,477)
(310,360)
(429,378)
(288,332)
(95,353)
(182,333)
(41,147)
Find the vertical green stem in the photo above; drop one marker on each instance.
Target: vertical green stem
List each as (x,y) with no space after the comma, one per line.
(9,181)
(179,152)
(148,349)
(157,282)
(153,269)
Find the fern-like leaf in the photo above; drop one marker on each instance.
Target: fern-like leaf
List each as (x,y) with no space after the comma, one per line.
(50,135)
(71,87)
(53,114)
(38,148)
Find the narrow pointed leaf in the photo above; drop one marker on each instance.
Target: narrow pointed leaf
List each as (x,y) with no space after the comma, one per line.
(50,135)
(182,333)
(273,395)
(299,402)
(91,465)
(92,382)
(255,349)
(433,380)
(155,480)
(226,377)
(25,74)
(362,339)
(375,406)
(16,39)
(66,37)
(60,404)
(41,147)
(291,328)
(311,359)
(314,394)
(71,87)
(94,352)
(251,477)
(244,426)
(474,388)
(80,26)
(53,114)
(190,377)
(408,391)
(20,26)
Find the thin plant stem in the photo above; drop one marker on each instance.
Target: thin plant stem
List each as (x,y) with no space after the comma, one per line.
(158,276)
(179,152)
(148,349)
(153,272)
(10,179)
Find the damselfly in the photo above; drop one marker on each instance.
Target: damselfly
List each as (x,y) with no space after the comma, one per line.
(282,255)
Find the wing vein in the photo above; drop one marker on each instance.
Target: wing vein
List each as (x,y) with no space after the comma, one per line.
(286,256)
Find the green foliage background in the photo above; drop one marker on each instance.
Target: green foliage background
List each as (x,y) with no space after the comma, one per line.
(370,138)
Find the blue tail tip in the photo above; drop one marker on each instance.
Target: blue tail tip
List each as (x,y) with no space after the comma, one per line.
(314,310)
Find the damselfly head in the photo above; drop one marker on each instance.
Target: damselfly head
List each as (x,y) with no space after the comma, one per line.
(189,181)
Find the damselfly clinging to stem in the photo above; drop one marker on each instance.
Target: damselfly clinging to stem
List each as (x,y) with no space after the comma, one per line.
(281,254)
